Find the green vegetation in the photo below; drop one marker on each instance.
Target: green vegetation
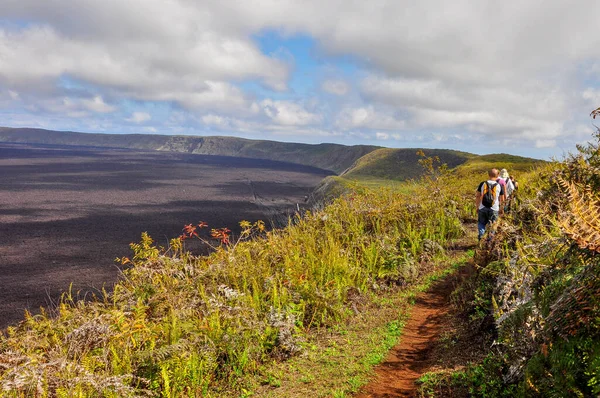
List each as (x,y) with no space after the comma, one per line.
(311,308)
(340,360)
(514,164)
(399,164)
(401,169)
(539,285)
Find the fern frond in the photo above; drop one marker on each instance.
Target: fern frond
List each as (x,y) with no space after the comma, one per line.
(582,221)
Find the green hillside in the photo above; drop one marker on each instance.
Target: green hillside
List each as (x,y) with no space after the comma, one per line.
(400,164)
(395,168)
(334,157)
(532,310)
(481,164)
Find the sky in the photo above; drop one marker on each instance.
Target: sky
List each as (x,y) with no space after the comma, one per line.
(517,77)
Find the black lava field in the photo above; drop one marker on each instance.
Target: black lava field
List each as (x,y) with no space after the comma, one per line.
(66,213)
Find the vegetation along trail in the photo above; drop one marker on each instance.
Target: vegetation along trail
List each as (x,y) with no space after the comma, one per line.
(308,310)
(414,354)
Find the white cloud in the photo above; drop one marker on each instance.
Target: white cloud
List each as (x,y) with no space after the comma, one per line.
(489,70)
(97,104)
(491,125)
(139,117)
(592,97)
(214,95)
(545,143)
(368,117)
(402,92)
(336,87)
(529,111)
(288,113)
(74,107)
(215,120)
(112,46)
(461,41)
(521,70)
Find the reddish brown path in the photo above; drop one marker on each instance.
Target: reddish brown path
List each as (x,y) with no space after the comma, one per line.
(396,376)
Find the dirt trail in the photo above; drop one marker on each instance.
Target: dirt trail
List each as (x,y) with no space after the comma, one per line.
(396,376)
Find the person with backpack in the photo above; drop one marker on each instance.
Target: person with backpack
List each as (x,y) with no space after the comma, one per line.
(488,201)
(508,188)
(513,196)
(515,183)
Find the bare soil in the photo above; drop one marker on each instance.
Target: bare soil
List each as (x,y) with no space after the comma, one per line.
(66,212)
(418,351)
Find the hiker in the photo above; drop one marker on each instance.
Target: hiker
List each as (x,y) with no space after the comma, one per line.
(513,196)
(508,188)
(489,201)
(501,182)
(515,183)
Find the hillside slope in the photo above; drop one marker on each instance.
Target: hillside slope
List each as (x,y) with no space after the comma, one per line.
(393,168)
(334,157)
(514,164)
(358,162)
(401,164)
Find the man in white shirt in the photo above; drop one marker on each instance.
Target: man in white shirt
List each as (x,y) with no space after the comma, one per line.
(488,201)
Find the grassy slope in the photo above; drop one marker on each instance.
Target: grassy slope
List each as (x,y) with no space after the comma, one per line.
(400,164)
(396,168)
(514,164)
(388,166)
(334,157)
(342,362)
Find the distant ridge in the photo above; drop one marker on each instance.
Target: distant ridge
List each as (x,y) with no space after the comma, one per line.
(401,164)
(333,157)
(351,162)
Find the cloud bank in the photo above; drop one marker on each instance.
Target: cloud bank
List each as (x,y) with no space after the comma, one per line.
(521,76)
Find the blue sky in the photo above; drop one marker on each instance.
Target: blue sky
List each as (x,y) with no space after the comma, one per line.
(519,79)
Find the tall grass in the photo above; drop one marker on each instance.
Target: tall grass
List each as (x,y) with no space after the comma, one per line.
(183,325)
(539,279)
